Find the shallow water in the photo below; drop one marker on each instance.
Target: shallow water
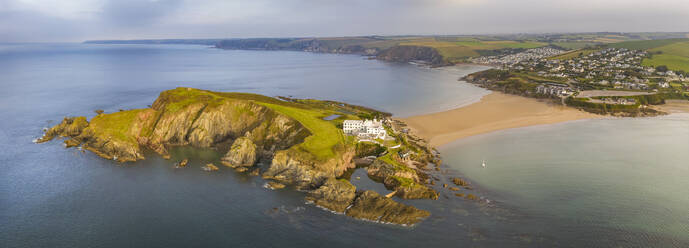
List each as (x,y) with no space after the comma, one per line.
(610,181)
(56,197)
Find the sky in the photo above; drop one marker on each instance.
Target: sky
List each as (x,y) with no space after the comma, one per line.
(79,20)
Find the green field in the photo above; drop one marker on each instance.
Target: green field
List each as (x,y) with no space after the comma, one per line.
(117,125)
(675,56)
(325,135)
(575,45)
(645,44)
(574,54)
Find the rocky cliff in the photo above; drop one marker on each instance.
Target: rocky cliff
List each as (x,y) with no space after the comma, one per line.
(306,150)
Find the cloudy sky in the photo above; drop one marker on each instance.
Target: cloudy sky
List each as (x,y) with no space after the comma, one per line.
(78,20)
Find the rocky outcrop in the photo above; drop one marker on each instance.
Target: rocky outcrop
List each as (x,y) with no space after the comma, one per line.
(403,180)
(340,196)
(295,167)
(459,182)
(336,195)
(369,205)
(406,53)
(182,163)
(69,127)
(241,154)
(210,167)
(380,171)
(415,191)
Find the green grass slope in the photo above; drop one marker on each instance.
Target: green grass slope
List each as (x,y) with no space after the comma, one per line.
(675,56)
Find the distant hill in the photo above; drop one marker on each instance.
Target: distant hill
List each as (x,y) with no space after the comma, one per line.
(450,49)
(156,41)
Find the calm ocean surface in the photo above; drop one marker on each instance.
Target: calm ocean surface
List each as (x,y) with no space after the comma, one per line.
(611,182)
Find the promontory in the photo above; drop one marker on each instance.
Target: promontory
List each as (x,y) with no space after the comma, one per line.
(296,142)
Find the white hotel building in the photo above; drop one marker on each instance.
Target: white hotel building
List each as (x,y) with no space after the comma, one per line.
(365,129)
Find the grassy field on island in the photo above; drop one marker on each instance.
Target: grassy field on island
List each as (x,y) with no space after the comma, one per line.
(325,135)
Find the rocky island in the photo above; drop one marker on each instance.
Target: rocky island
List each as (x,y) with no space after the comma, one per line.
(292,137)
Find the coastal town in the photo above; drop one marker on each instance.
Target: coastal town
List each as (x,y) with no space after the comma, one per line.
(553,73)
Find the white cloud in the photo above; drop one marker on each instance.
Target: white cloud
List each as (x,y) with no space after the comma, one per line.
(72,20)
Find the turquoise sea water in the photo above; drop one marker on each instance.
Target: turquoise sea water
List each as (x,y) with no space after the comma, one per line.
(597,183)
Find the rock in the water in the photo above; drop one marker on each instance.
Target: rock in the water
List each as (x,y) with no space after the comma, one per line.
(274,185)
(210,167)
(334,194)
(71,143)
(182,163)
(454,188)
(369,205)
(459,182)
(472,197)
(241,154)
(254,172)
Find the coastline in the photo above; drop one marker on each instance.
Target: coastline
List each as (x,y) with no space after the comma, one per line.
(495,111)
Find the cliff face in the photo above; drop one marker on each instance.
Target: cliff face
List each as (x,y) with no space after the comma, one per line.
(413,53)
(305,150)
(294,167)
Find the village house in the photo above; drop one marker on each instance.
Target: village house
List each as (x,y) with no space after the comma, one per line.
(365,128)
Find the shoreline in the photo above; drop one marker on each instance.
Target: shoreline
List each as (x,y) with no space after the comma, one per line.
(493,112)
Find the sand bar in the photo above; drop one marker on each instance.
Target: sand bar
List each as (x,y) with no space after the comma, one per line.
(495,111)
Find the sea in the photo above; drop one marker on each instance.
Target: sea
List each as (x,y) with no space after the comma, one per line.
(612,182)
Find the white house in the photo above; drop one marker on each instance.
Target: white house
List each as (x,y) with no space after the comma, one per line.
(365,129)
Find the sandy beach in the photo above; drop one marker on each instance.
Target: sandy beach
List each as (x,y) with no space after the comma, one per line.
(674,106)
(495,111)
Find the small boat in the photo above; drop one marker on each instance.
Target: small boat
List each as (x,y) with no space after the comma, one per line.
(483,163)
